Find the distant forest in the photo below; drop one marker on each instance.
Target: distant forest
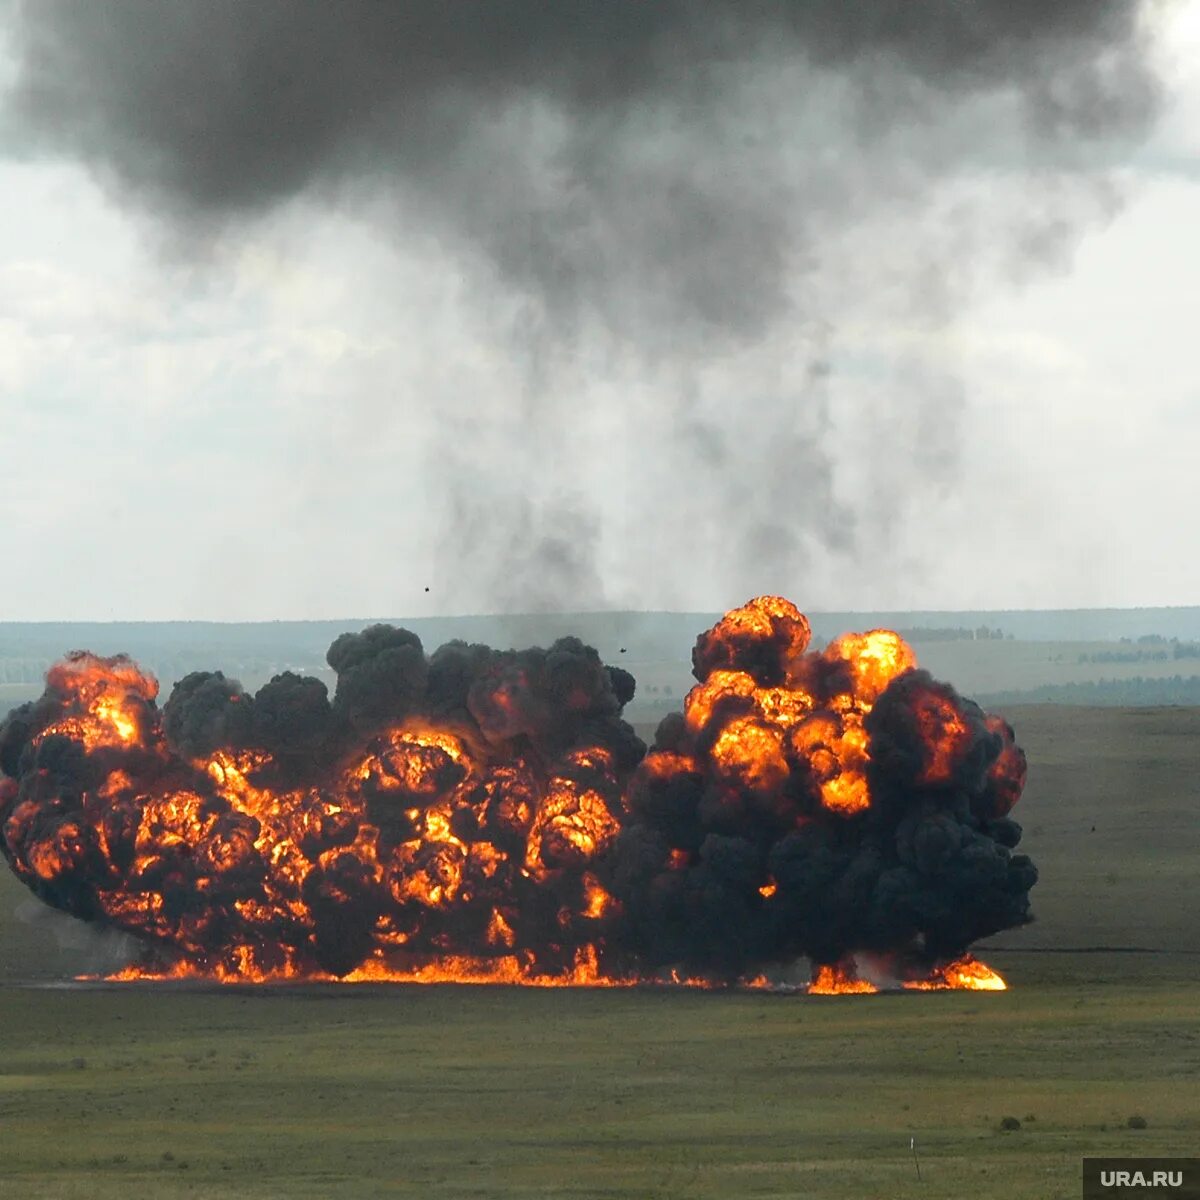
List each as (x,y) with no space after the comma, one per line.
(1117,693)
(1161,650)
(959,633)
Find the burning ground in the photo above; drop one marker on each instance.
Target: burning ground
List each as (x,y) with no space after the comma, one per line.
(483,815)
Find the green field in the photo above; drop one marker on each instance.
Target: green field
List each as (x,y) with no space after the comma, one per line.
(510,1093)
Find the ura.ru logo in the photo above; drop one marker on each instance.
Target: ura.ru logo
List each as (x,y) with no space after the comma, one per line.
(1141,1179)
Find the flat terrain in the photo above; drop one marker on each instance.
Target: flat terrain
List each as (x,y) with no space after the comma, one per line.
(1111,814)
(466,1092)
(472,1092)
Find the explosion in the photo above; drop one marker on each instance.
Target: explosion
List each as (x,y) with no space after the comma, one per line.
(488,816)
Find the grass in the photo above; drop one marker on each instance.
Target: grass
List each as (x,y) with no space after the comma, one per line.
(510,1093)
(997,666)
(444,1092)
(1110,818)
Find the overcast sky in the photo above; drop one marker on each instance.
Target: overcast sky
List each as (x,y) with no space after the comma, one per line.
(933,360)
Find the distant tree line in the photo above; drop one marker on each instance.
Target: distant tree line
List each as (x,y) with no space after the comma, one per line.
(960,633)
(1178,650)
(168,668)
(1125,656)
(1137,691)
(23,670)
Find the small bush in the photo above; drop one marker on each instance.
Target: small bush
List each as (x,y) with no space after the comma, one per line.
(1136,1122)
(1009,1123)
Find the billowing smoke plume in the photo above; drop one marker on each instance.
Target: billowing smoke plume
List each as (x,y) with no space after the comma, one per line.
(820,804)
(477,814)
(677,204)
(225,110)
(440,806)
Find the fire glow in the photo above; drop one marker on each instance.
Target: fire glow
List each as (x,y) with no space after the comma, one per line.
(478,816)
(847,978)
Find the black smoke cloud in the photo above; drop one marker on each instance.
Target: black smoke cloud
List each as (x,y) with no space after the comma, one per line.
(290,717)
(715,875)
(532,128)
(139,835)
(721,876)
(381,674)
(656,184)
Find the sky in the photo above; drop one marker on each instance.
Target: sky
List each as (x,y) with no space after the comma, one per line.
(825,314)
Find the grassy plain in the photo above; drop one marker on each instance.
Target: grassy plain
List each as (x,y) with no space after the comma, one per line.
(462,1092)
(507,1093)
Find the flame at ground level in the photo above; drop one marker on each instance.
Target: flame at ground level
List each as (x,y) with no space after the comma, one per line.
(486,816)
(842,979)
(964,974)
(509,970)
(839,981)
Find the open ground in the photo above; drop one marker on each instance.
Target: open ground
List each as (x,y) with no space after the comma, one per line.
(512,1093)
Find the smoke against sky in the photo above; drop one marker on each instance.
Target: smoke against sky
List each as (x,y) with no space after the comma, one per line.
(543,306)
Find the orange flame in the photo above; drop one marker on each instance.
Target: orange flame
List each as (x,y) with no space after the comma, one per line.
(434,826)
(945,736)
(765,619)
(757,730)
(964,974)
(839,980)
(103,699)
(872,660)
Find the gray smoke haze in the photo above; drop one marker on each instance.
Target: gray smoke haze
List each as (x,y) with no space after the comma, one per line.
(682,212)
(82,948)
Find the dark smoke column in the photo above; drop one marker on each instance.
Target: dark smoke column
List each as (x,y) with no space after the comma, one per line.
(607,156)
(660,184)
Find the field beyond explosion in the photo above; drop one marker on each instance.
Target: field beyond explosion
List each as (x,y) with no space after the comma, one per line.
(518,1092)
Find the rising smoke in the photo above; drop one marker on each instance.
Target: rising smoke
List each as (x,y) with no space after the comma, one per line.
(678,212)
